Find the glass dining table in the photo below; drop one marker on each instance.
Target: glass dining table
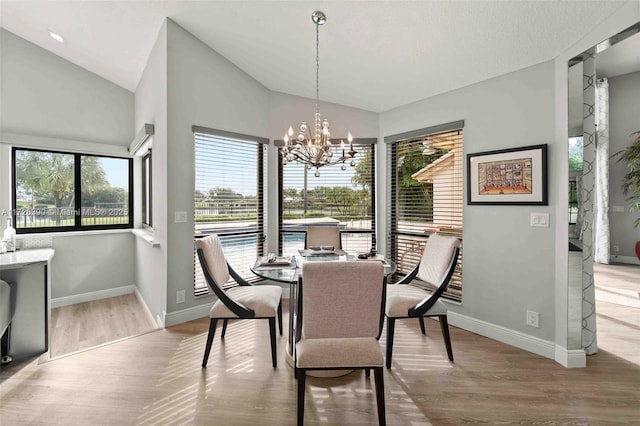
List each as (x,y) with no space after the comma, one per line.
(289,273)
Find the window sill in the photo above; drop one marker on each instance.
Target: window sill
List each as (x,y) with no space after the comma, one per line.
(145,235)
(73,233)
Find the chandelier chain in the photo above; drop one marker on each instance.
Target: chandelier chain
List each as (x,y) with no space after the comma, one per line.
(317,65)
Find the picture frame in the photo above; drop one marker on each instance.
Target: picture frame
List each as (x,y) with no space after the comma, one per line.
(514,176)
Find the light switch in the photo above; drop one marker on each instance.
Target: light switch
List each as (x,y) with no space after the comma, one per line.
(180,217)
(540,220)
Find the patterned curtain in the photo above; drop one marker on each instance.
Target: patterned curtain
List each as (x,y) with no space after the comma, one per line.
(601,225)
(589,338)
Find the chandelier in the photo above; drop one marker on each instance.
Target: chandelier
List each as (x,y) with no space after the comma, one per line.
(317,150)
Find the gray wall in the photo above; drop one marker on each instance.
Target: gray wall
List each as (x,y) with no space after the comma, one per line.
(151,107)
(508,265)
(49,102)
(624,119)
(46,95)
(205,89)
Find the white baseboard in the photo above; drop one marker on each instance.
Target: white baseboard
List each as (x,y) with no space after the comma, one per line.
(189,314)
(95,295)
(629,260)
(571,358)
(520,340)
(145,307)
(574,358)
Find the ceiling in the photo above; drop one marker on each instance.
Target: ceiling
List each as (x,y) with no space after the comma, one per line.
(373,55)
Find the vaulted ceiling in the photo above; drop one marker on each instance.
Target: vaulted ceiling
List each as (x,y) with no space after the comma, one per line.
(373,55)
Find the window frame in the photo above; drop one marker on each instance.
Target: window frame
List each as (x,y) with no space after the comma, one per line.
(146,190)
(77,194)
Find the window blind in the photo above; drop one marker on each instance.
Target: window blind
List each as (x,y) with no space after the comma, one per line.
(345,198)
(425,195)
(228,199)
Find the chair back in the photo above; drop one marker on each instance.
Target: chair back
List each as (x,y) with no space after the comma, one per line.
(341,299)
(323,236)
(210,253)
(436,267)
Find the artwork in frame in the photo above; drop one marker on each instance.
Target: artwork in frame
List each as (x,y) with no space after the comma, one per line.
(516,176)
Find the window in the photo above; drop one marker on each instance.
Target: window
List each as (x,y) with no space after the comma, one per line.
(147,198)
(338,197)
(228,197)
(60,191)
(425,194)
(573,202)
(575,154)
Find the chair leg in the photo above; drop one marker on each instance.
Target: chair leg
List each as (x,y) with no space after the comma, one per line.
(391,323)
(444,325)
(379,380)
(5,358)
(224,328)
(272,333)
(422,325)
(302,374)
(280,317)
(212,332)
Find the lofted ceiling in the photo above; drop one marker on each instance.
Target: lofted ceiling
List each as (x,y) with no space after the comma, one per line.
(373,55)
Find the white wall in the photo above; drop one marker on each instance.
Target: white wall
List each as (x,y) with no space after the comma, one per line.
(624,119)
(508,265)
(151,107)
(49,102)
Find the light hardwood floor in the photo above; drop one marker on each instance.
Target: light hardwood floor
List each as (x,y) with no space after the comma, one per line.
(156,378)
(86,325)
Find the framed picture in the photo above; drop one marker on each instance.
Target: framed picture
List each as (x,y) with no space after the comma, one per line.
(508,176)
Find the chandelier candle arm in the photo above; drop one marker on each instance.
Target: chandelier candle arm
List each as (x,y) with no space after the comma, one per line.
(317,151)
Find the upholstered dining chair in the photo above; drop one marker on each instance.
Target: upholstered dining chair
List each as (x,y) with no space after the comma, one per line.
(339,319)
(242,301)
(417,295)
(5,321)
(323,236)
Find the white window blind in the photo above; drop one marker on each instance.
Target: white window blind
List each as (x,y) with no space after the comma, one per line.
(228,199)
(345,198)
(425,194)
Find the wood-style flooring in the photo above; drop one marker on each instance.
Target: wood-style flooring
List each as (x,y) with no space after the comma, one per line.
(156,379)
(85,325)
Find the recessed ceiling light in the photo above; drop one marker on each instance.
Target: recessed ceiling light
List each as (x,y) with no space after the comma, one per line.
(56,37)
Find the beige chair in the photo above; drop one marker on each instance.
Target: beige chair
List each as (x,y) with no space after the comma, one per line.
(243,301)
(417,295)
(5,321)
(323,236)
(340,312)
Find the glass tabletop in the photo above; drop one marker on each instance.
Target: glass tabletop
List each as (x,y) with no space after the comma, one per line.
(290,273)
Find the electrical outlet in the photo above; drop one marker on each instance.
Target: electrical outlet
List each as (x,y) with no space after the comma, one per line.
(616,249)
(533,319)
(180,295)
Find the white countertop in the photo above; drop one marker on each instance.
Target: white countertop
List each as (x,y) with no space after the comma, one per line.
(21,258)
